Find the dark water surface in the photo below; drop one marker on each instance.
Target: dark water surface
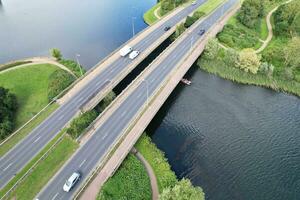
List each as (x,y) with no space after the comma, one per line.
(91,28)
(237,142)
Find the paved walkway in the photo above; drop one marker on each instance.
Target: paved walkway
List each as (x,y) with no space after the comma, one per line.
(270,28)
(37,61)
(156,13)
(150,172)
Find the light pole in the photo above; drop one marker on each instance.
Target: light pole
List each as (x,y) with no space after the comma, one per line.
(147,86)
(78,64)
(132,24)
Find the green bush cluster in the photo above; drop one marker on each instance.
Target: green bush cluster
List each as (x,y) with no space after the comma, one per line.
(129,182)
(168,5)
(73,66)
(250,12)
(237,37)
(8,107)
(58,81)
(79,124)
(287,19)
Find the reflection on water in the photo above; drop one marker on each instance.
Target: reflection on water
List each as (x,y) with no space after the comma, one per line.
(237,142)
(91,28)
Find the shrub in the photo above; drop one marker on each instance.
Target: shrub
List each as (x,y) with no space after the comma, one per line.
(79,124)
(248,61)
(250,12)
(55,53)
(73,66)
(58,81)
(8,108)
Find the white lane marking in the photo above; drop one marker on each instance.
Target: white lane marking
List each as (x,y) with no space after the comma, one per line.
(112,70)
(55,196)
(7,167)
(82,163)
(37,139)
(138,96)
(97,84)
(104,136)
(152,80)
(123,113)
(60,117)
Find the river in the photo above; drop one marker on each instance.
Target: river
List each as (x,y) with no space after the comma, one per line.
(90,28)
(237,142)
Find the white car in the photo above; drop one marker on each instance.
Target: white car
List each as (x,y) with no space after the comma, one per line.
(194,3)
(134,54)
(74,178)
(125,50)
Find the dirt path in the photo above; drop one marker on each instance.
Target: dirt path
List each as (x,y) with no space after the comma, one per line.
(40,60)
(150,172)
(270,28)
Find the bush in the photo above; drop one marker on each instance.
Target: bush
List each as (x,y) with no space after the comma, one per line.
(248,61)
(250,12)
(105,102)
(55,53)
(8,108)
(183,190)
(129,182)
(58,81)
(79,124)
(73,66)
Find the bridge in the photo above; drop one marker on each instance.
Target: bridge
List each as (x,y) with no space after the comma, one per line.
(122,123)
(88,92)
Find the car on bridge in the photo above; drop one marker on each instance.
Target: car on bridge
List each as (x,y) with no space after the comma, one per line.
(74,178)
(201,32)
(167,28)
(134,54)
(125,50)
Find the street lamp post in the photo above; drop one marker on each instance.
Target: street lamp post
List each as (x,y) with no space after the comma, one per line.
(78,64)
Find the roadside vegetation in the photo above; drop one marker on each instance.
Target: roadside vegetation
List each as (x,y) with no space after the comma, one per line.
(277,66)
(72,65)
(13,64)
(169,186)
(149,16)
(129,182)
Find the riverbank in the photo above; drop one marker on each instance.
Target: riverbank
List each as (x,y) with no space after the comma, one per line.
(134,189)
(273,72)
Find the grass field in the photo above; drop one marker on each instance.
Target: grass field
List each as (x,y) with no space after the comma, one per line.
(149,16)
(30,85)
(209,6)
(129,182)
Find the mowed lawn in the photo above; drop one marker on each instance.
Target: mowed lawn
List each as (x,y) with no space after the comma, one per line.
(30,85)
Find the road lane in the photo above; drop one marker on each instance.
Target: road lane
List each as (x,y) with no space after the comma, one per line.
(96,148)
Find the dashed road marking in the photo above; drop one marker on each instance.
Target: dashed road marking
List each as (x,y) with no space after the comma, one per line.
(7,167)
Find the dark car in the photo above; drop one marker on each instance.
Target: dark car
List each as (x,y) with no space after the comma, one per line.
(167,28)
(201,32)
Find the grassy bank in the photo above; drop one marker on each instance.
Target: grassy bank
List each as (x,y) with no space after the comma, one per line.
(129,182)
(149,16)
(29,84)
(209,6)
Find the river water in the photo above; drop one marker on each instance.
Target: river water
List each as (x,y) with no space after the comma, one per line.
(91,28)
(237,142)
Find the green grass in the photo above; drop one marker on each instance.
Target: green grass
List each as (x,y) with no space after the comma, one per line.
(61,156)
(162,169)
(30,85)
(13,64)
(129,182)
(27,129)
(149,16)
(45,170)
(209,6)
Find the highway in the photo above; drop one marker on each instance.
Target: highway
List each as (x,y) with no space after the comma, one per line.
(17,158)
(88,156)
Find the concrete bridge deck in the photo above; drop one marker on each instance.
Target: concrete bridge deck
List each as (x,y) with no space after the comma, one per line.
(126,118)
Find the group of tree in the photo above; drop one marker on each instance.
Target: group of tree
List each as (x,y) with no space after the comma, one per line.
(287,19)
(183,190)
(251,12)
(8,108)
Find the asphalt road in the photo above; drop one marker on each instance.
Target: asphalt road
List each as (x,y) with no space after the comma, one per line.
(87,157)
(16,159)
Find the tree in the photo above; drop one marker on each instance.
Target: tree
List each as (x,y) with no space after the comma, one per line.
(291,53)
(231,57)
(266,68)
(250,12)
(179,30)
(55,53)
(248,61)
(8,107)
(183,190)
